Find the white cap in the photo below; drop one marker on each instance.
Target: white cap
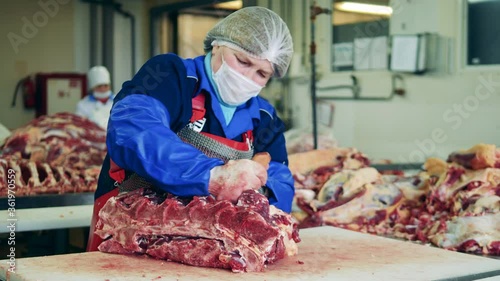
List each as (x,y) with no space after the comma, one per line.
(98,75)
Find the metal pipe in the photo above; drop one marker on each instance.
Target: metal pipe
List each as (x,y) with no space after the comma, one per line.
(313,85)
(132,42)
(398,166)
(126,14)
(93,34)
(153,35)
(107,34)
(315,10)
(357,89)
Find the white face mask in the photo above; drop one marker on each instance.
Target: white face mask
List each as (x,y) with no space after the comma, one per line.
(102,95)
(234,88)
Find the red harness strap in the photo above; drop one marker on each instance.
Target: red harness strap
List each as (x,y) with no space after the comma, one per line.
(199,111)
(116,172)
(94,239)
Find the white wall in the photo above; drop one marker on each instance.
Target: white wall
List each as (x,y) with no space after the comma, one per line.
(42,40)
(122,42)
(53,36)
(440,112)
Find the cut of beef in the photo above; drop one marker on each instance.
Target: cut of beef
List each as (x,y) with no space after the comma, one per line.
(33,178)
(57,153)
(474,234)
(313,168)
(478,157)
(454,205)
(201,232)
(62,139)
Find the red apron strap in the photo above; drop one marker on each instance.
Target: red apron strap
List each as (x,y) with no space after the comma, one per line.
(94,239)
(198,104)
(248,135)
(199,110)
(116,172)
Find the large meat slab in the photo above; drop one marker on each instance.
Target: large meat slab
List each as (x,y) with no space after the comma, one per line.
(53,154)
(201,231)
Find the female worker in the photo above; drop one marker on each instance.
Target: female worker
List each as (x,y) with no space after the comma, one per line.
(191,126)
(97,104)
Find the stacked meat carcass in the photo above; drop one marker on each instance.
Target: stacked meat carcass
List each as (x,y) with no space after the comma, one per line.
(453,205)
(58,153)
(198,231)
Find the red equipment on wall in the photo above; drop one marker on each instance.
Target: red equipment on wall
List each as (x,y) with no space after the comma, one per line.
(28,89)
(49,93)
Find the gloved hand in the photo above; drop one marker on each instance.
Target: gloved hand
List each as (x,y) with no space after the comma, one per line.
(262,158)
(227,182)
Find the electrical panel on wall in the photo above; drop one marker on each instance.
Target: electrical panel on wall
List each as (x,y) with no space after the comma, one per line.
(59,92)
(430,36)
(420,53)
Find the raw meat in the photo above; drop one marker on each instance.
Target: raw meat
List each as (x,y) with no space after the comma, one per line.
(54,154)
(478,157)
(62,139)
(33,178)
(453,205)
(201,232)
(302,140)
(312,169)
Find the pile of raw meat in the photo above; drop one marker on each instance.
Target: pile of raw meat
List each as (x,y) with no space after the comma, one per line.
(453,204)
(201,231)
(54,154)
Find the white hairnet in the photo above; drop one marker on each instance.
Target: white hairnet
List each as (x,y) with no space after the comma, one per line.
(98,75)
(257,31)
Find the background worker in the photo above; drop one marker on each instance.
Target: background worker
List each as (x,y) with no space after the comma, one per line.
(96,106)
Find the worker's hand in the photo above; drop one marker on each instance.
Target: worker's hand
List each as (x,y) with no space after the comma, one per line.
(263,158)
(227,182)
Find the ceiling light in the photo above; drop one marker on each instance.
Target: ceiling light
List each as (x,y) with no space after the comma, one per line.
(231,5)
(364,8)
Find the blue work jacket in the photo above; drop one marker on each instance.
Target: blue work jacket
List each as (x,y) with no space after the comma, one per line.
(152,107)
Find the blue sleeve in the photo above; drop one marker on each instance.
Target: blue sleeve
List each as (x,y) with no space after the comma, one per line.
(141,130)
(268,137)
(280,182)
(139,139)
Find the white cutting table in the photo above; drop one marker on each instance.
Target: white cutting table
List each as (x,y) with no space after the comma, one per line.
(325,253)
(47,218)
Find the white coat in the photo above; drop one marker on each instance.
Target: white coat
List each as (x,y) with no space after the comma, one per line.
(96,111)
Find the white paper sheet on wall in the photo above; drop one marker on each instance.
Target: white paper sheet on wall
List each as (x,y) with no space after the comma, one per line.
(405,53)
(422,42)
(378,53)
(343,54)
(325,112)
(370,53)
(362,53)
